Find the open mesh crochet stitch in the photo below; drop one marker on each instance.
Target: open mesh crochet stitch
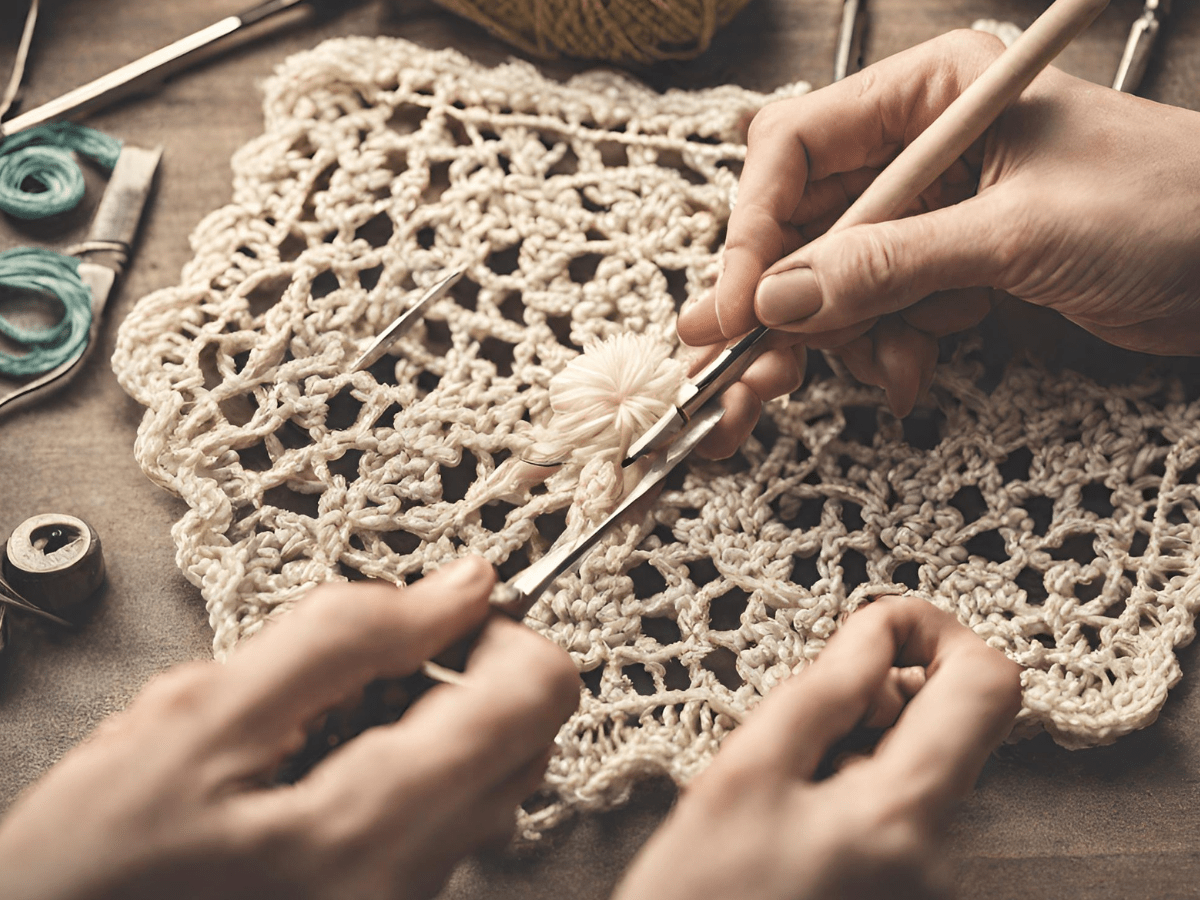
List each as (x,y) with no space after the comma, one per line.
(1055,517)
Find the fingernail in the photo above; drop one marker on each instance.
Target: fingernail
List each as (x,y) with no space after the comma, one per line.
(788,296)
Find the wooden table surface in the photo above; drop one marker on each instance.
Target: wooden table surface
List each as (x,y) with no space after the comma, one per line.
(1120,821)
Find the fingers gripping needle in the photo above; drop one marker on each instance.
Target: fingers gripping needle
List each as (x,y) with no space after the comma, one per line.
(913,170)
(405,322)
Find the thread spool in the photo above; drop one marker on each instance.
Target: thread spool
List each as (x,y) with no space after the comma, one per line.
(616,30)
(54,561)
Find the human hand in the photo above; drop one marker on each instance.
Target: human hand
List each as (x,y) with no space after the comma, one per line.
(755,825)
(172,798)
(1079,198)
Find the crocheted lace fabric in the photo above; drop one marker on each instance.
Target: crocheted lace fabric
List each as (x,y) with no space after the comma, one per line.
(1056,517)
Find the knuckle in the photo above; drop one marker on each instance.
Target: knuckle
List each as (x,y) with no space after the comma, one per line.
(875,258)
(181,690)
(727,783)
(1003,681)
(899,849)
(967,45)
(866,82)
(343,612)
(892,838)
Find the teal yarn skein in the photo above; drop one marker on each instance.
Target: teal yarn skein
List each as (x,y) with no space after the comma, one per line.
(42,157)
(49,273)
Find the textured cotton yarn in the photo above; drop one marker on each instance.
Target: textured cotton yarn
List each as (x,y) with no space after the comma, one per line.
(36,270)
(1055,516)
(41,157)
(642,31)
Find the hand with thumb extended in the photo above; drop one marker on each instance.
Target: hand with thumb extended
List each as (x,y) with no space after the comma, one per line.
(1062,203)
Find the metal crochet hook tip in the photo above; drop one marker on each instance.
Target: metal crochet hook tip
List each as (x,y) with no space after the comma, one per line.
(406,321)
(710,382)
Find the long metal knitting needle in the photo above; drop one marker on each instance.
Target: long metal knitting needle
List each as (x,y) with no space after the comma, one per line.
(405,321)
(109,84)
(914,169)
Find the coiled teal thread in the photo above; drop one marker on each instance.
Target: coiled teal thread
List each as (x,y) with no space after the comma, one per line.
(41,158)
(45,272)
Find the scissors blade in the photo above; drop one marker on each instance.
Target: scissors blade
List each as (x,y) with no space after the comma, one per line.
(105,254)
(708,383)
(406,321)
(522,592)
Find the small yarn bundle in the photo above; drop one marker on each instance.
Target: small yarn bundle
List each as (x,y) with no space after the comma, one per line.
(641,31)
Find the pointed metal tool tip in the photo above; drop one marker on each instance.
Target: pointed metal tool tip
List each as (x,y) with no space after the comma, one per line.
(656,436)
(406,320)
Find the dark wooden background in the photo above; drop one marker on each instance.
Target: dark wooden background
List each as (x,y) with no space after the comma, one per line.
(1120,821)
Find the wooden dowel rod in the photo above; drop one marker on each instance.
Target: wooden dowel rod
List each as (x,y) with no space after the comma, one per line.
(963,121)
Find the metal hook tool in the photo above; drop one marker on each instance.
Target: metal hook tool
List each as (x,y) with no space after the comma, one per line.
(1140,45)
(515,597)
(405,322)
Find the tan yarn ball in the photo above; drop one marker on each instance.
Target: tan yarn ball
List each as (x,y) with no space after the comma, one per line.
(643,31)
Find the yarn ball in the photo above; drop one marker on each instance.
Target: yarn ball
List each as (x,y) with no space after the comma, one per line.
(641,31)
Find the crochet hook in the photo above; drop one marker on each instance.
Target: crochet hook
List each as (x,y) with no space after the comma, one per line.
(405,321)
(913,170)
(107,86)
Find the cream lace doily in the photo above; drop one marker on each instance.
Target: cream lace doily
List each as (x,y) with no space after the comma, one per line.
(1056,517)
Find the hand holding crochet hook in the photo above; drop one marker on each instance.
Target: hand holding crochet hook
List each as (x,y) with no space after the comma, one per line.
(1078,199)
(191,809)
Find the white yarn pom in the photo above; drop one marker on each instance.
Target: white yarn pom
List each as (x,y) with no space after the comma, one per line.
(601,402)
(606,397)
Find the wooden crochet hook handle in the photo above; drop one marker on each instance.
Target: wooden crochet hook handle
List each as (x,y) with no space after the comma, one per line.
(915,168)
(965,120)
